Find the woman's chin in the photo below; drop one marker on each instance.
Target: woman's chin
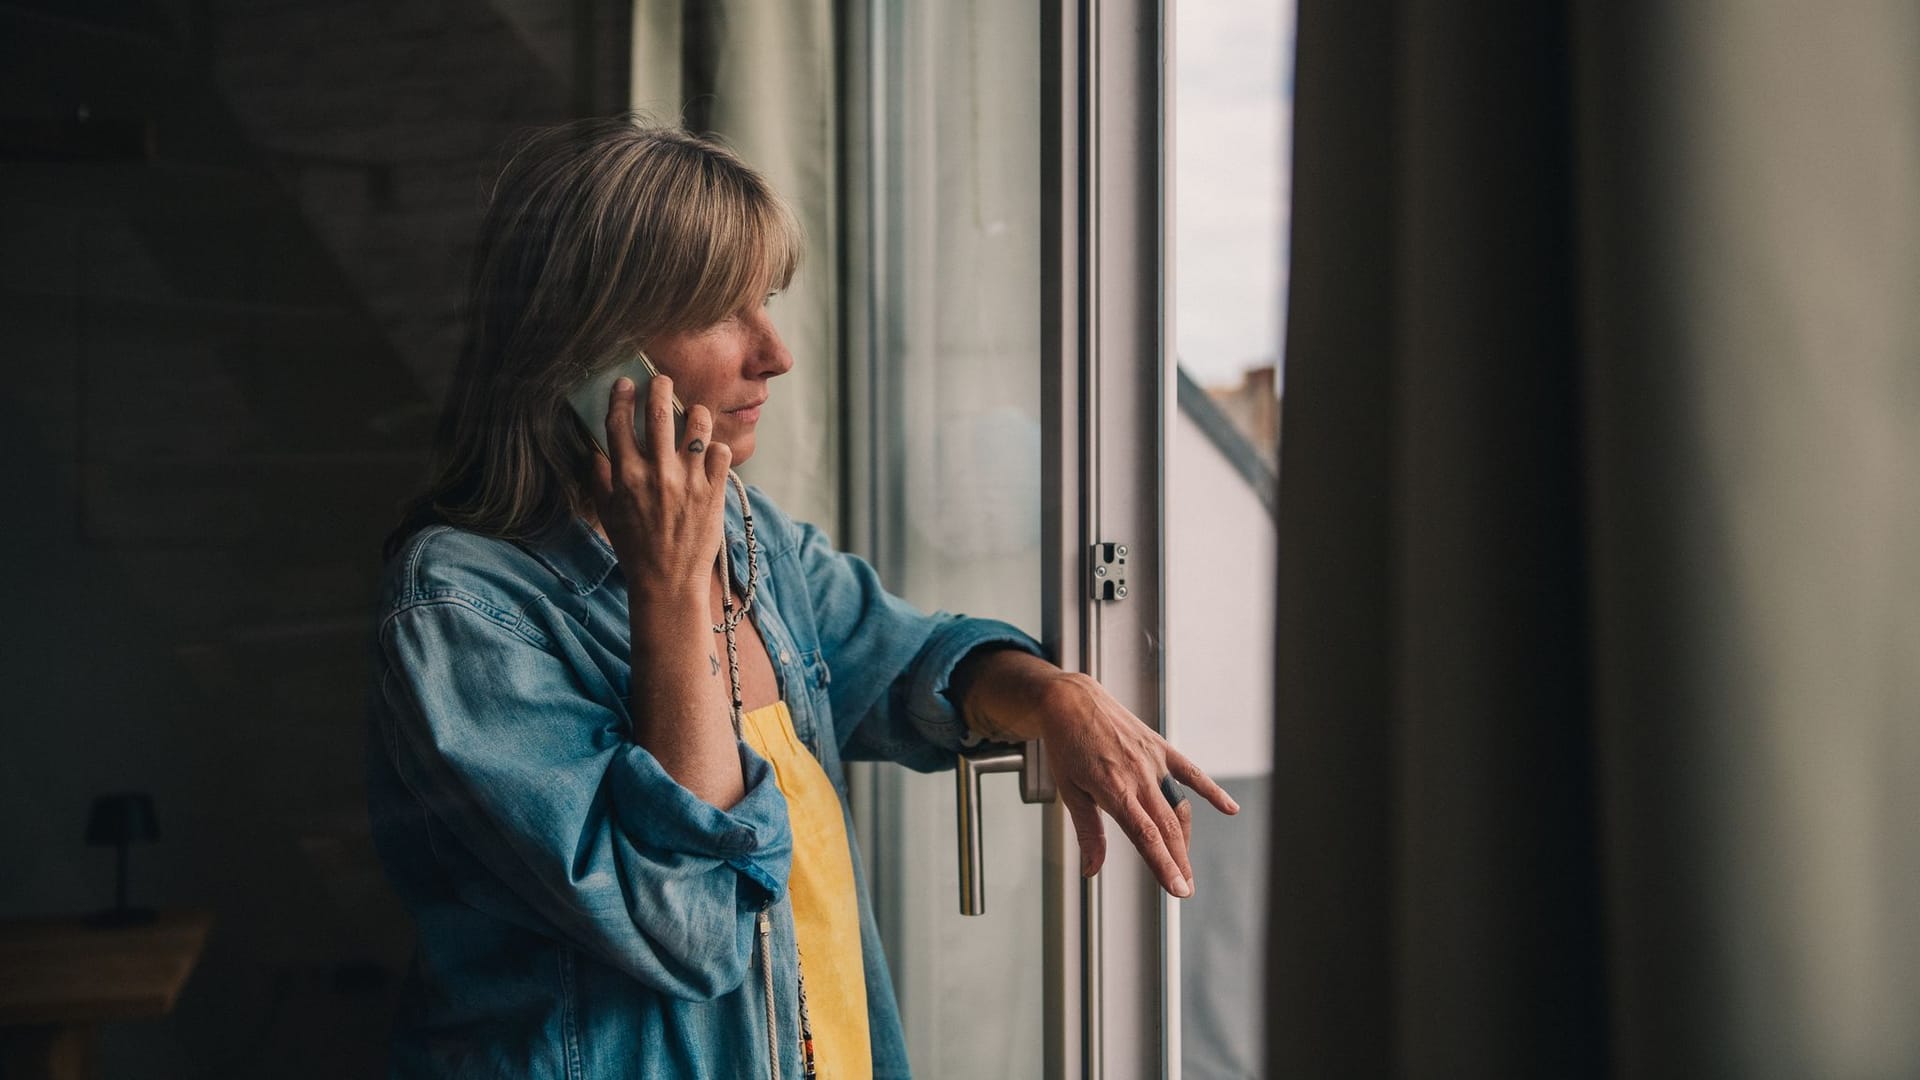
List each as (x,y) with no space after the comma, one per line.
(742,447)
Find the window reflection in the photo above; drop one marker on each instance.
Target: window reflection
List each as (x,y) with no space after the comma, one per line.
(1233,111)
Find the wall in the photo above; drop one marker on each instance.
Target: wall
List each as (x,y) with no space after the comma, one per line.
(229,299)
(1220,581)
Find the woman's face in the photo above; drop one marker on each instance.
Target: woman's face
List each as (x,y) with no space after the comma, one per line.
(725,367)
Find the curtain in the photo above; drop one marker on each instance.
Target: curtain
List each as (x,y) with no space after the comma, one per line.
(915,331)
(1594,679)
(760,74)
(944,223)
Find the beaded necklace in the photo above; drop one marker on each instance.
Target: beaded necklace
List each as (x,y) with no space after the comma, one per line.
(730,616)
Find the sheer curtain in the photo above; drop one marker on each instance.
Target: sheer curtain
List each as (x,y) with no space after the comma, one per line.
(915,327)
(760,73)
(948,362)
(1596,691)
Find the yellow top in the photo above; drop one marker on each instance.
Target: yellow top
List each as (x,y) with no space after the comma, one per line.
(826,915)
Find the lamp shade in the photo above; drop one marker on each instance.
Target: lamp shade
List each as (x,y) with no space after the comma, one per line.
(124,818)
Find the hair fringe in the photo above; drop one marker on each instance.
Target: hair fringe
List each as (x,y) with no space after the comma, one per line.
(597,235)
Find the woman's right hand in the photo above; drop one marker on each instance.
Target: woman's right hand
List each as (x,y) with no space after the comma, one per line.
(663,506)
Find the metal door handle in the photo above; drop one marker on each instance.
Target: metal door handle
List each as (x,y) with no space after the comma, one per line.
(1036,786)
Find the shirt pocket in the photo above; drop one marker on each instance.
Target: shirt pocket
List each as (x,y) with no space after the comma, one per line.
(813,667)
(814,678)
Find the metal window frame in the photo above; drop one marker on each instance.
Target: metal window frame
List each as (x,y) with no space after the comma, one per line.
(1111,968)
(1107,330)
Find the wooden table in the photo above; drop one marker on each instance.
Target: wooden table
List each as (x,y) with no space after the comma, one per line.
(59,977)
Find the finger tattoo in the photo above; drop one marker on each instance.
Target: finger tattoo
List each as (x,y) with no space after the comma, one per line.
(1172,792)
(696,446)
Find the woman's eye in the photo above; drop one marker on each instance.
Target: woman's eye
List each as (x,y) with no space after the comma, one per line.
(768,302)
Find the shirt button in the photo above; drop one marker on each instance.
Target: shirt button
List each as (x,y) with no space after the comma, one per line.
(786,657)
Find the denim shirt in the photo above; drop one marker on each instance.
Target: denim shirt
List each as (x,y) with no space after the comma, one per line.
(579,912)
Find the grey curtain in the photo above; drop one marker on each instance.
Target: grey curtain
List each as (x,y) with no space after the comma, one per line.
(1595,658)
(760,74)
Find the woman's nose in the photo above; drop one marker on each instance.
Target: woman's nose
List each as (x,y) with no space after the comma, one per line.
(772,357)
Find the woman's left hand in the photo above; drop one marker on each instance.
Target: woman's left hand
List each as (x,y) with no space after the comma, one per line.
(1103,758)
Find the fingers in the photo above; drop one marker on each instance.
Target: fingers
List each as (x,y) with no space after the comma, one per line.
(1087,827)
(1166,819)
(620,406)
(719,458)
(709,458)
(1184,770)
(1149,834)
(1177,833)
(699,430)
(656,446)
(660,446)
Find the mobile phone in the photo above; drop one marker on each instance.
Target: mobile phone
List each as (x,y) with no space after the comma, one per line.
(589,401)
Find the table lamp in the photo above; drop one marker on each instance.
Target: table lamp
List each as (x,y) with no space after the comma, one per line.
(122,820)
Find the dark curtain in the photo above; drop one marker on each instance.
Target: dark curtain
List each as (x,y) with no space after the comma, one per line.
(1594,666)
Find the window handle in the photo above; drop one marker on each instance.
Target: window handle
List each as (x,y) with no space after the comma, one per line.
(1036,786)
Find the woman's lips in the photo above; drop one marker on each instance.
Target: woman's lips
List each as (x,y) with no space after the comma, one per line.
(748,415)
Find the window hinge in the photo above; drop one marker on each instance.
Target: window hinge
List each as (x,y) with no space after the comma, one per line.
(1107,571)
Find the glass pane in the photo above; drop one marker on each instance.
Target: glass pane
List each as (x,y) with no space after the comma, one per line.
(955,260)
(1233,108)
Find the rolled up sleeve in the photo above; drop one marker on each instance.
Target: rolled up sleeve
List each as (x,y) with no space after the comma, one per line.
(892,663)
(497,737)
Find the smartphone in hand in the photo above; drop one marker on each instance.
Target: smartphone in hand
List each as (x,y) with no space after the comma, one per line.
(589,401)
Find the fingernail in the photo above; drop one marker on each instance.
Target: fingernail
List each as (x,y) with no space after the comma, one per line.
(1086,867)
(1183,888)
(623,384)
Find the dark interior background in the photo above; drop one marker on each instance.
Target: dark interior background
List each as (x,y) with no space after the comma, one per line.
(233,246)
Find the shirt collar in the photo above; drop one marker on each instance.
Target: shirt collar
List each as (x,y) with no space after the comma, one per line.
(577,555)
(582,559)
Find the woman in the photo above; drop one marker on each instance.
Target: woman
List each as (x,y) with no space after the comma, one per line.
(614,690)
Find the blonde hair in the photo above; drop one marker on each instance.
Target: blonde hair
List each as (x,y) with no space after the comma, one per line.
(599,235)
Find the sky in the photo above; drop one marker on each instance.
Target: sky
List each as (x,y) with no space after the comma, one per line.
(1233,118)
